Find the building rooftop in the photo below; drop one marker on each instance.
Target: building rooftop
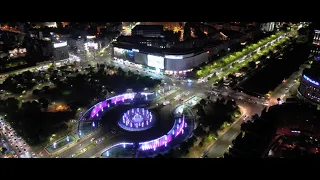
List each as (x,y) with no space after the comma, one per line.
(148,49)
(148,27)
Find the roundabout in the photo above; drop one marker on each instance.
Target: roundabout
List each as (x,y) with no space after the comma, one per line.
(132,122)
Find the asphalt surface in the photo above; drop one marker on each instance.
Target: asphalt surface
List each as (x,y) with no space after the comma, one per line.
(221,145)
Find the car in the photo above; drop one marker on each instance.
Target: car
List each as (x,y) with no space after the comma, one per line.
(287,89)
(92,139)
(73,155)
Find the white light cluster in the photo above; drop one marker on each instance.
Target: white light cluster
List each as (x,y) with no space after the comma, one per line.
(173,57)
(62,44)
(91,37)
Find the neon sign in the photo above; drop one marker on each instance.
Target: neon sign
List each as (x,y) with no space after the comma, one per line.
(310,80)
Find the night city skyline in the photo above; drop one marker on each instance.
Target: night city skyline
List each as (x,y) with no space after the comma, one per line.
(159,89)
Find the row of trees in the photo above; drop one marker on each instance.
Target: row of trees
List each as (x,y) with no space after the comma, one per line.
(236,66)
(235,56)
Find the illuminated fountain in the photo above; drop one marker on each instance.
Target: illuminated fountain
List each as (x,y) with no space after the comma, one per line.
(137,119)
(178,128)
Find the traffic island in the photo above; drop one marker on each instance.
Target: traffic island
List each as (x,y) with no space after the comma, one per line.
(60,144)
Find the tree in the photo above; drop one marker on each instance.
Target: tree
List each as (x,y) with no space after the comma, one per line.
(200,143)
(252,65)
(255,117)
(44,103)
(12,103)
(46,88)
(35,92)
(70,125)
(231,104)
(199,132)
(202,102)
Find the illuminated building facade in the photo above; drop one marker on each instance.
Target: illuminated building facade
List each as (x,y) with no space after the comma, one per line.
(316,38)
(315,49)
(161,60)
(269,26)
(309,88)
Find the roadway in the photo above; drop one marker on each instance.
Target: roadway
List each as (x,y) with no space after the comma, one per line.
(286,87)
(14,143)
(83,143)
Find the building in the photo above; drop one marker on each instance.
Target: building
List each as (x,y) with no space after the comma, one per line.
(167,26)
(315,49)
(147,30)
(157,42)
(168,61)
(269,26)
(309,88)
(60,50)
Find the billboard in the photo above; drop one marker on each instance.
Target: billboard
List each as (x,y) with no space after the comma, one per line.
(124,54)
(156,61)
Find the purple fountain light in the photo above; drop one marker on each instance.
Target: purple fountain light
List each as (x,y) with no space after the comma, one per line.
(164,140)
(106,103)
(137,119)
